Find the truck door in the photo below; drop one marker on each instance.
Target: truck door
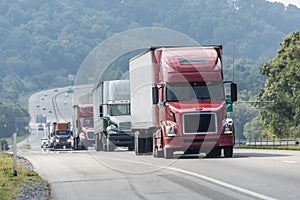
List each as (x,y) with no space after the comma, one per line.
(161,104)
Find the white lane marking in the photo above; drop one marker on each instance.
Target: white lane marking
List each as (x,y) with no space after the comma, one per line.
(221,183)
(289,161)
(212,180)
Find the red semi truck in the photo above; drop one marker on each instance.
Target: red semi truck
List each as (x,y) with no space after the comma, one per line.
(83,126)
(60,137)
(178,102)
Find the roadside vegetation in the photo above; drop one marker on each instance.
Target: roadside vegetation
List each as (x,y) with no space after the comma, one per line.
(10,184)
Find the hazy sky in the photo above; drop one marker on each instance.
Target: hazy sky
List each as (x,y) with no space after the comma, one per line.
(287,2)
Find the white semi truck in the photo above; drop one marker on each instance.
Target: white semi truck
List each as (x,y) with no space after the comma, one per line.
(112,122)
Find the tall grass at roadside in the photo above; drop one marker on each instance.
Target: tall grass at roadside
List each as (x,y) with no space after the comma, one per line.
(10,184)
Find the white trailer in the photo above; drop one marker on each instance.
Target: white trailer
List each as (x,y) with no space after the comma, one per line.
(143,115)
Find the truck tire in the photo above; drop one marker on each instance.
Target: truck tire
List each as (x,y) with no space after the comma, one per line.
(168,153)
(82,146)
(130,148)
(109,145)
(228,152)
(104,145)
(98,143)
(215,152)
(158,153)
(138,144)
(148,144)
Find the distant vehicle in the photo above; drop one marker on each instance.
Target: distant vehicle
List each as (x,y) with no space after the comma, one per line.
(50,111)
(65,102)
(42,99)
(60,137)
(40,127)
(44,108)
(70,89)
(55,90)
(37,105)
(45,94)
(66,94)
(41,119)
(44,142)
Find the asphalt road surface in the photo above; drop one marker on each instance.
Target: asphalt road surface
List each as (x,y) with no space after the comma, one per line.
(250,174)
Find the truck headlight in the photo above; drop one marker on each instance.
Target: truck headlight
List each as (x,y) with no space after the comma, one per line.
(228,127)
(57,140)
(82,136)
(170,131)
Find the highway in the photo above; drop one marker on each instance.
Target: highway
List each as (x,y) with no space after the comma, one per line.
(250,174)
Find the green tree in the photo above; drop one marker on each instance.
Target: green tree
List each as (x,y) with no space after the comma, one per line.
(281,115)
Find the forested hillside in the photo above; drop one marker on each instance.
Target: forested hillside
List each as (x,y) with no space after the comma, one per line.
(42,42)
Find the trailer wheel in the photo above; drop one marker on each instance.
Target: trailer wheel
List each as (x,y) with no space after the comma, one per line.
(138,144)
(228,152)
(168,153)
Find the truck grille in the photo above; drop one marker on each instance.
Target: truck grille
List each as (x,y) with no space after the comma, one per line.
(195,123)
(90,135)
(125,126)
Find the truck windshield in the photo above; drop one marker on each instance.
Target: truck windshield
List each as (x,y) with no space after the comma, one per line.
(63,132)
(194,91)
(87,122)
(119,109)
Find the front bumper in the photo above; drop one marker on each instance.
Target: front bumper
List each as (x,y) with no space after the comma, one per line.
(121,139)
(198,141)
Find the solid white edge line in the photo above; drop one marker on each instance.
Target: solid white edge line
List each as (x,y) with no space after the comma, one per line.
(290,161)
(212,180)
(221,183)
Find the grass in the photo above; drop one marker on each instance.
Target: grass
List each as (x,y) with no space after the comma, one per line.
(10,184)
(19,139)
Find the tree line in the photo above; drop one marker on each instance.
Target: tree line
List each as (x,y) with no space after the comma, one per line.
(42,42)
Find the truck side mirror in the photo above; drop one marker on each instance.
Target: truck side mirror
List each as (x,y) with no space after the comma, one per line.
(101,111)
(233,88)
(155,95)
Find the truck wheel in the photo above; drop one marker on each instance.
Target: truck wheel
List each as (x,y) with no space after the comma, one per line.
(215,152)
(168,153)
(157,153)
(148,145)
(98,143)
(110,146)
(228,152)
(138,144)
(130,148)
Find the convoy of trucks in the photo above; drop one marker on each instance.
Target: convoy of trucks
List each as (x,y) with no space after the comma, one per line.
(83,127)
(112,115)
(178,102)
(174,101)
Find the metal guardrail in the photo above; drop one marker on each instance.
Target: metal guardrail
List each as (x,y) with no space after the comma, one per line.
(267,142)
